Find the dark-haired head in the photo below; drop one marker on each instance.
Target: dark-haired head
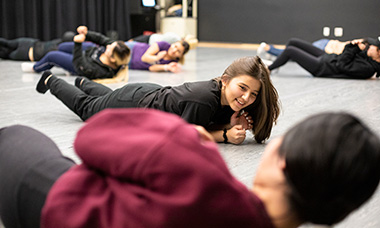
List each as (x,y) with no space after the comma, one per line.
(121,53)
(332,166)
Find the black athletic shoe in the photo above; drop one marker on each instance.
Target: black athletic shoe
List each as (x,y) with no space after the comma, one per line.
(41,87)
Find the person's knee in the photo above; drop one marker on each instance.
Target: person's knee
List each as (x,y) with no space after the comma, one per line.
(51,55)
(290,51)
(293,41)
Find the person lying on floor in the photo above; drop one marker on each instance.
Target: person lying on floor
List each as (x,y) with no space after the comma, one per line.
(30,49)
(158,57)
(103,58)
(359,60)
(169,37)
(242,99)
(148,168)
(327,45)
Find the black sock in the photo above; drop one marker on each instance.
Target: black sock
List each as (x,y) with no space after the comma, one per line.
(41,87)
(78,81)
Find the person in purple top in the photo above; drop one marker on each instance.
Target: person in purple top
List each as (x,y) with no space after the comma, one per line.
(160,56)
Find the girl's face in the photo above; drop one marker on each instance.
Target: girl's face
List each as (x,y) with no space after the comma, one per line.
(109,49)
(176,50)
(240,91)
(374,53)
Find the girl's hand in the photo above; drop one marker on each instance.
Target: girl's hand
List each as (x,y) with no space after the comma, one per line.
(82,30)
(236,134)
(160,55)
(174,67)
(80,38)
(360,44)
(357,41)
(244,119)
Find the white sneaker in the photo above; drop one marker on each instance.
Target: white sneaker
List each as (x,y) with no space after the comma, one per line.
(271,57)
(267,62)
(261,49)
(27,67)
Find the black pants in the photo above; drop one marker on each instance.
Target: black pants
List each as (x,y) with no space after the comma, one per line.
(303,53)
(91,97)
(30,163)
(142,38)
(16,49)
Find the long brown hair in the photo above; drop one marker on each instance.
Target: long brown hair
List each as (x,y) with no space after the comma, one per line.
(266,108)
(186,47)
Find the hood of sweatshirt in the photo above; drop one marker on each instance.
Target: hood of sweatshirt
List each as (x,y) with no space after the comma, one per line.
(117,131)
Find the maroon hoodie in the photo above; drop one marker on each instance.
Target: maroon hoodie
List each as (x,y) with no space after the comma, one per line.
(147,168)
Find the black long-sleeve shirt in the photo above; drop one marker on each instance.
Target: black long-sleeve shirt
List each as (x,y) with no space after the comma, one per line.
(87,63)
(352,63)
(196,102)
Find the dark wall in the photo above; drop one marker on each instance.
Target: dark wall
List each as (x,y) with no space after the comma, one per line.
(275,21)
(142,18)
(47,19)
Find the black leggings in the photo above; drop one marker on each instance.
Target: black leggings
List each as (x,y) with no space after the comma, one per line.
(17,49)
(142,38)
(30,163)
(90,97)
(303,53)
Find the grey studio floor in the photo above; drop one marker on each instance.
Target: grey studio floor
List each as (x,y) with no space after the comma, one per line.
(301,95)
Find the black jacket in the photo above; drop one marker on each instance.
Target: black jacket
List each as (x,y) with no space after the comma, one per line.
(352,63)
(87,63)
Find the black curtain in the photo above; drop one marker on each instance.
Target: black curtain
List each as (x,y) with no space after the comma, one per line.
(49,19)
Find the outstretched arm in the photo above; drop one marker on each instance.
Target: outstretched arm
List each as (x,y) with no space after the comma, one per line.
(171,67)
